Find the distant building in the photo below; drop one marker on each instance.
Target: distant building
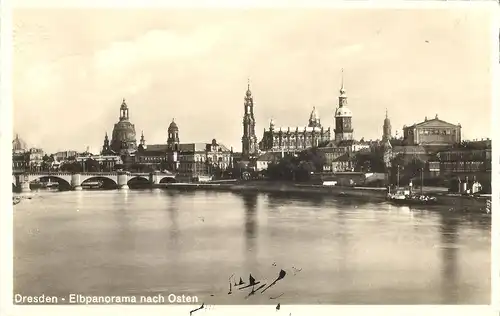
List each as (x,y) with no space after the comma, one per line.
(29,160)
(19,145)
(106,163)
(64,155)
(264,160)
(468,159)
(188,160)
(432,133)
(294,139)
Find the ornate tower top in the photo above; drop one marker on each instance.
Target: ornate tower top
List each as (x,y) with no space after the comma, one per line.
(342,90)
(248,93)
(314,120)
(173,125)
(124,111)
(142,141)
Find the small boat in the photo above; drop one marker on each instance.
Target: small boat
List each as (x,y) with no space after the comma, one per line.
(92,184)
(16,200)
(404,197)
(488,206)
(51,185)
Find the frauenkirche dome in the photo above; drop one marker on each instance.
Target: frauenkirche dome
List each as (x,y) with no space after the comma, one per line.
(124,137)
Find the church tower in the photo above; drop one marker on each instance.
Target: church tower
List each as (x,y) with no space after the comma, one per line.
(173,136)
(173,147)
(105,146)
(249,140)
(142,142)
(387,129)
(343,117)
(314,120)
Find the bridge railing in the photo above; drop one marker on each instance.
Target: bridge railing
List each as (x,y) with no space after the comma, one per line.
(58,173)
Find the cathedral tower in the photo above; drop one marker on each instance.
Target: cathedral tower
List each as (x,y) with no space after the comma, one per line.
(387,129)
(343,117)
(249,140)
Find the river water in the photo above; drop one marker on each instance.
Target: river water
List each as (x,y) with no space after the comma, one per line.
(333,251)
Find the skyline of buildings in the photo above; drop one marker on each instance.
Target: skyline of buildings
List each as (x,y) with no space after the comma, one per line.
(194,69)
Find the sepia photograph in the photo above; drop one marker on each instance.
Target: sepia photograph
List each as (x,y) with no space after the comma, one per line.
(252,156)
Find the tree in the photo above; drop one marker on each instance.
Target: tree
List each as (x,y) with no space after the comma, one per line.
(73,167)
(410,166)
(313,155)
(92,165)
(370,160)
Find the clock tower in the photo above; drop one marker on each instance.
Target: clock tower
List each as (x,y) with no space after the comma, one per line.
(343,117)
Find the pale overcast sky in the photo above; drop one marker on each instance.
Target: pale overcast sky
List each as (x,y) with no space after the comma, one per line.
(72,67)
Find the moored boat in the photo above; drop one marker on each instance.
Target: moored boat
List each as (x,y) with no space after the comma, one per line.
(404,197)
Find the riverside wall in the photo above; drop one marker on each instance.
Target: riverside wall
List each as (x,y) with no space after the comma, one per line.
(451,202)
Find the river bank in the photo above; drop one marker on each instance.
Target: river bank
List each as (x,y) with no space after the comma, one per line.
(450,201)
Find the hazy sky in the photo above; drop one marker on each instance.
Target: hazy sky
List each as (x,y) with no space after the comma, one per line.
(72,67)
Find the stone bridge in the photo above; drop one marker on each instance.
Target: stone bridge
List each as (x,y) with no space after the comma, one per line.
(75,180)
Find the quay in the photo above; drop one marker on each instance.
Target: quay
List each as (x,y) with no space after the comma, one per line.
(453,202)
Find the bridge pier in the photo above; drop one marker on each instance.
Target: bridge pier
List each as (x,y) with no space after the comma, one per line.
(22,183)
(122,181)
(76,183)
(154,178)
(25,187)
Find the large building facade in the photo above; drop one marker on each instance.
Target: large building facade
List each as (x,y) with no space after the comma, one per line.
(434,132)
(293,139)
(187,160)
(249,146)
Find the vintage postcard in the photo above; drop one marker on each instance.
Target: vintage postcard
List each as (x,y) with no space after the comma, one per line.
(199,157)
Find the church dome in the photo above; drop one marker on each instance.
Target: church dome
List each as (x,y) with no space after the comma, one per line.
(343,112)
(18,144)
(173,126)
(124,136)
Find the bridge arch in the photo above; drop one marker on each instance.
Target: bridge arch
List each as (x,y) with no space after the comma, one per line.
(138,178)
(62,180)
(107,181)
(168,179)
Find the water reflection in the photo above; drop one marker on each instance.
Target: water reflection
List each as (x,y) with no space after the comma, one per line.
(250,204)
(448,230)
(173,212)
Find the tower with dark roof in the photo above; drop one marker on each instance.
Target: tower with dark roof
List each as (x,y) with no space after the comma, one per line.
(249,140)
(173,135)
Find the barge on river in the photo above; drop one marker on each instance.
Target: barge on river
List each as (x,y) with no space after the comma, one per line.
(405,197)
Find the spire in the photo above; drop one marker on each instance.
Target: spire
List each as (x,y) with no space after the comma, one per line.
(142,141)
(249,93)
(342,90)
(386,113)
